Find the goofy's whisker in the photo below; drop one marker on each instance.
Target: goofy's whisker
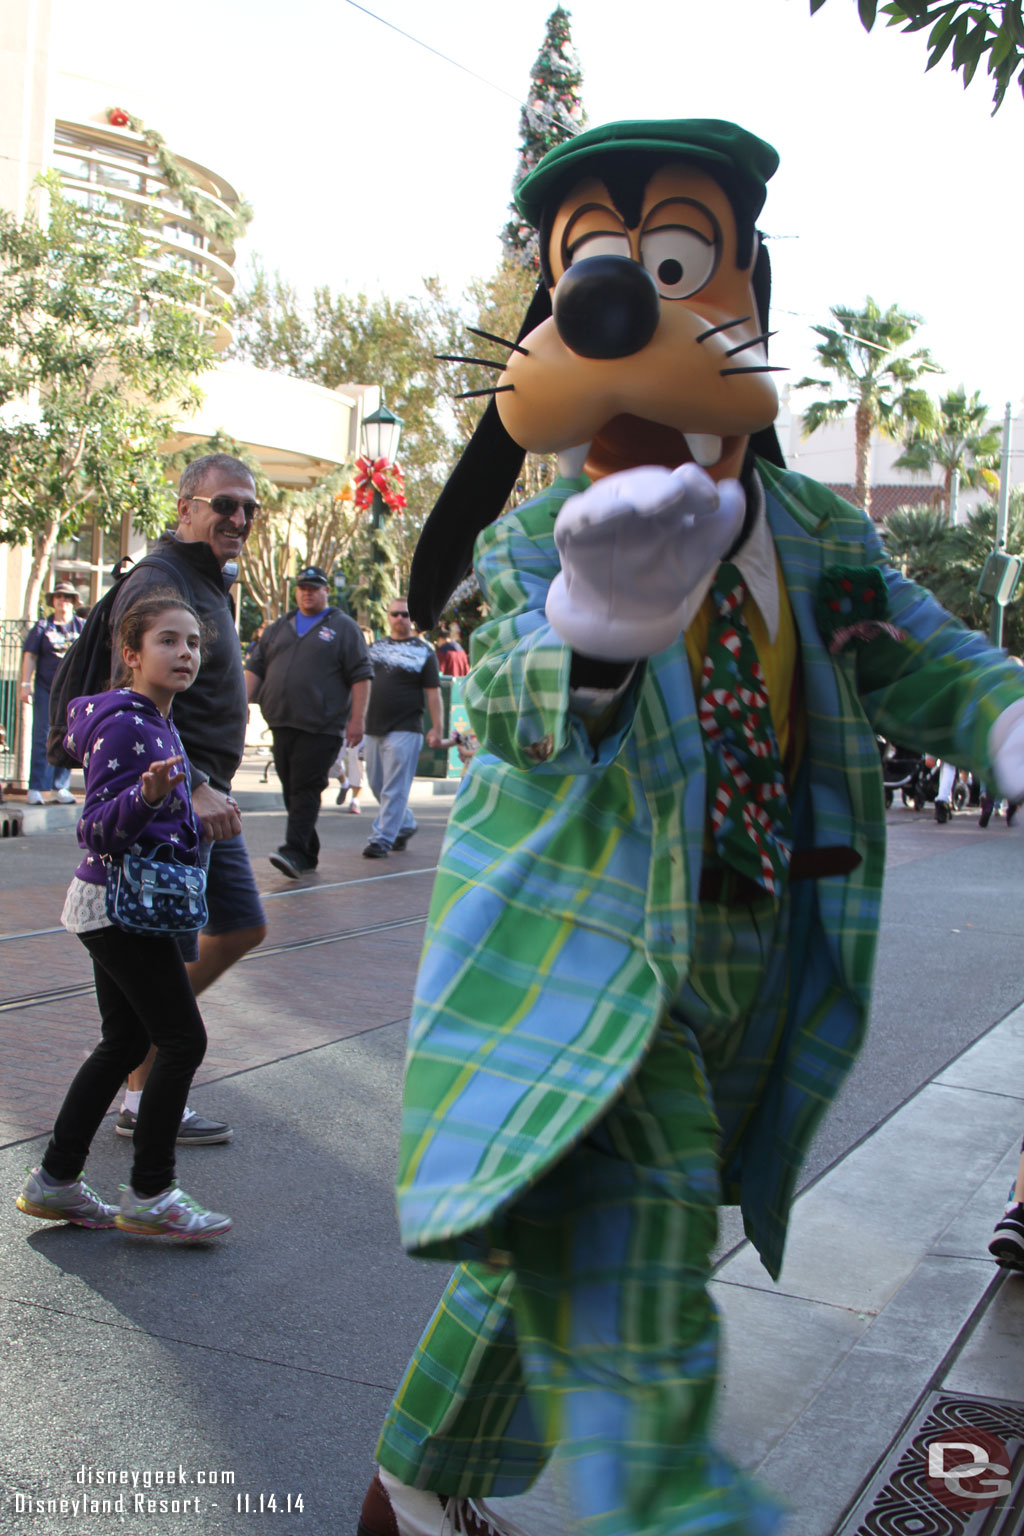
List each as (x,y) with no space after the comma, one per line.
(755,341)
(479,362)
(764,368)
(726,327)
(502,341)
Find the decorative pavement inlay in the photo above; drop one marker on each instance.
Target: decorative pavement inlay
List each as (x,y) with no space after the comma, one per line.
(957,1471)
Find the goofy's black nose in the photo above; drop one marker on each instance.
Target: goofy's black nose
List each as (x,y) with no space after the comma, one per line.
(606,306)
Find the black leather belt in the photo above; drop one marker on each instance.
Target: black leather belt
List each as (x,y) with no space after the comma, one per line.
(728,888)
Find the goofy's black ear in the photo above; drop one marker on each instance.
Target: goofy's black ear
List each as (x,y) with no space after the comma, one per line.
(765,443)
(476,490)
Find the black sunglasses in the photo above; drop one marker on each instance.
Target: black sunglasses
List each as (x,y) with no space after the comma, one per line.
(227,506)
(398,613)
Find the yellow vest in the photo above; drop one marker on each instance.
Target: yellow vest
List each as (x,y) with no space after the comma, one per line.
(778,662)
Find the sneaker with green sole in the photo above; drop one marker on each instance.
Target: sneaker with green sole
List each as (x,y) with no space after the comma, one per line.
(171,1213)
(74,1202)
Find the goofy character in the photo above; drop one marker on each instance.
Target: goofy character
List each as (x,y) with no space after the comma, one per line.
(649,956)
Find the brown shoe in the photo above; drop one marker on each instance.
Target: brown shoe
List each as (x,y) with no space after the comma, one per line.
(396,1510)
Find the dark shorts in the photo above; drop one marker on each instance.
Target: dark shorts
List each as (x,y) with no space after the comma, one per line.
(231,894)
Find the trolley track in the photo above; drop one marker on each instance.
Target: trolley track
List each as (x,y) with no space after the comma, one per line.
(51,995)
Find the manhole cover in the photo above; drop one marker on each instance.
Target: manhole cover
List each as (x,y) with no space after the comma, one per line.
(958,1472)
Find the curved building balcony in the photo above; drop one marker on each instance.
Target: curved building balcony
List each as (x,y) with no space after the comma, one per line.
(298,431)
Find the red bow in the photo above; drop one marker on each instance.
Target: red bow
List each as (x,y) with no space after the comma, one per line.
(383,476)
(118,117)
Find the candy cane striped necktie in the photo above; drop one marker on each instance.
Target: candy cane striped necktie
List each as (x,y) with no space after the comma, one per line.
(747,802)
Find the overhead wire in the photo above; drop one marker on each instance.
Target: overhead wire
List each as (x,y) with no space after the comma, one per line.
(511,95)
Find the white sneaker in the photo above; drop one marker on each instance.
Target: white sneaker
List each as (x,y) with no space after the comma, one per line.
(34,797)
(63,797)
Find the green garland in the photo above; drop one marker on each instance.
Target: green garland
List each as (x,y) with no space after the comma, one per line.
(218,224)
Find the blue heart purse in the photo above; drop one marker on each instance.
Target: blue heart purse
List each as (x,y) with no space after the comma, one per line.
(157,896)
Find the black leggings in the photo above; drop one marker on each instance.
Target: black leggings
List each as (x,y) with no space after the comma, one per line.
(144,998)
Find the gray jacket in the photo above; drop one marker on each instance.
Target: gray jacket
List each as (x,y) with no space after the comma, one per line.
(306,683)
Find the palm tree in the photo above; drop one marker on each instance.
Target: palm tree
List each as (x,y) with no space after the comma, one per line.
(956,442)
(877,373)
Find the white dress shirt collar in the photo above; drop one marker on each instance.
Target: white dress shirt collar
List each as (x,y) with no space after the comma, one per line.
(755,561)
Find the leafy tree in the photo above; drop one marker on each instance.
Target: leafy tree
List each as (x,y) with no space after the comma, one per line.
(100,345)
(956,442)
(552,113)
(876,376)
(992,32)
(339,339)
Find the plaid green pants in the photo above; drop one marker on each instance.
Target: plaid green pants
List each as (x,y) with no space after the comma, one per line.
(586,1323)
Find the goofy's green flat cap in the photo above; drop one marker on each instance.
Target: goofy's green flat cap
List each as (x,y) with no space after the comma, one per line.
(747,161)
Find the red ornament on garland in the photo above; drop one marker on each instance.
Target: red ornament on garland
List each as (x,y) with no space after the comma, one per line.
(118,117)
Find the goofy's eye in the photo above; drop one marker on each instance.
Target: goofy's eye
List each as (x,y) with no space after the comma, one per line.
(600,243)
(679,259)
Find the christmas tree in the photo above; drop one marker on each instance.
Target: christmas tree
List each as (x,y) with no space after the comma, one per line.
(552,113)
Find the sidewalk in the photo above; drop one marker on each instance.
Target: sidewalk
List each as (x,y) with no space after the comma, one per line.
(249,787)
(272,1357)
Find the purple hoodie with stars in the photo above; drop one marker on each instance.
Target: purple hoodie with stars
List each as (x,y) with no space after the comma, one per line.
(115,736)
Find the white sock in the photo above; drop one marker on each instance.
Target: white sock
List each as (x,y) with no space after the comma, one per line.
(420,1511)
(131,1100)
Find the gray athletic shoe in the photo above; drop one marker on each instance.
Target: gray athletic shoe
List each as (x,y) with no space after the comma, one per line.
(75,1202)
(194,1130)
(172,1213)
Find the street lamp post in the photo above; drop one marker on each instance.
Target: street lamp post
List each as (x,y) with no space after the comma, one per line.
(1002,572)
(381,432)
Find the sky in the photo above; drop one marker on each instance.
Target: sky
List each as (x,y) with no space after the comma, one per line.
(372,162)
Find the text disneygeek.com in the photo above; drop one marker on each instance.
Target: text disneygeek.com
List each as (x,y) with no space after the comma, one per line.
(100,1491)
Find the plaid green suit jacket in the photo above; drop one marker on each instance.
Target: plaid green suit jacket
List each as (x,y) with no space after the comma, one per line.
(562,919)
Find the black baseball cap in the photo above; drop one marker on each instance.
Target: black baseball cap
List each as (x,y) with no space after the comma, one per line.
(311,576)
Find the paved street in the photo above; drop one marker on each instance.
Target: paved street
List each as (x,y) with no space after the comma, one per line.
(271,1356)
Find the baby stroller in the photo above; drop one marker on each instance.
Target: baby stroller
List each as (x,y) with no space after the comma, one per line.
(916,776)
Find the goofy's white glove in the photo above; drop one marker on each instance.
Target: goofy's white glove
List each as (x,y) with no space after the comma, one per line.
(632,546)
(1006,747)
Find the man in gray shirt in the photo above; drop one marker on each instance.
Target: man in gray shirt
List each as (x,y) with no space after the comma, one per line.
(310,673)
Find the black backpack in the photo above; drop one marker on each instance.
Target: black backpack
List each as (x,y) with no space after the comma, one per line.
(86,667)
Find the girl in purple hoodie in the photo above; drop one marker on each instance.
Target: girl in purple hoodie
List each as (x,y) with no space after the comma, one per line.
(136,798)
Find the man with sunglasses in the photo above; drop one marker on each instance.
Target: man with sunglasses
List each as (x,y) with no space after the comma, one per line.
(405,674)
(217,505)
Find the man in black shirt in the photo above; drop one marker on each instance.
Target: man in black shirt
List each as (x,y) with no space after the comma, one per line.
(404,675)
